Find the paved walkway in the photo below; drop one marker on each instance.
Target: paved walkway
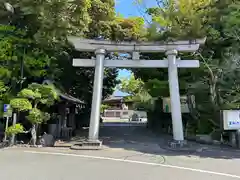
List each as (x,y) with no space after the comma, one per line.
(129,153)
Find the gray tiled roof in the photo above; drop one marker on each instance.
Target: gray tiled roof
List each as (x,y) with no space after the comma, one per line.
(64,95)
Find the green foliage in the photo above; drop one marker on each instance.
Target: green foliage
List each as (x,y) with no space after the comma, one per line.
(13,130)
(105,23)
(21,104)
(231,21)
(39,93)
(137,93)
(103,107)
(36,116)
(3,90)
(131,85)
(38,34)
(45,94)
(45,116)
(35,93)
(157,88)
(9,62)
(52,18)
(36,63)
(29,94)
(130,28)
(215,84)
(181,20)
(144,101)
(45,27)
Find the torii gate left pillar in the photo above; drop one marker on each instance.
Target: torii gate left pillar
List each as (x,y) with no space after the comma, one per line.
(97,95)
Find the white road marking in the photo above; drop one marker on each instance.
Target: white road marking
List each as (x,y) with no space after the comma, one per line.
(136,162)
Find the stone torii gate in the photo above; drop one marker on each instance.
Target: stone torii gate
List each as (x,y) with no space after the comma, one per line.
(100,47)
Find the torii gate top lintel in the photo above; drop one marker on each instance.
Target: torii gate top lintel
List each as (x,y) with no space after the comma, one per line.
(90,45)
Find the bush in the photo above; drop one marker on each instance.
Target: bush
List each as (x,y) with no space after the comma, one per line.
(13,130)
(21,104)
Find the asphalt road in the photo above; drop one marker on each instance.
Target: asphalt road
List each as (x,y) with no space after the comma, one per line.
(19,164)
(130,153)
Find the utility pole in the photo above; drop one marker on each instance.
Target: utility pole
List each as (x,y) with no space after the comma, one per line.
(11,9)
(22,69)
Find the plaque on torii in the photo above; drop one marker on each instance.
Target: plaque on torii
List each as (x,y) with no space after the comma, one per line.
(171,49)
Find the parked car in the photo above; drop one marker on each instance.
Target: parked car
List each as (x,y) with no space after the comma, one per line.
(135,117)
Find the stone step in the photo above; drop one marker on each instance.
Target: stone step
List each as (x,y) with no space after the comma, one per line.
(87,145)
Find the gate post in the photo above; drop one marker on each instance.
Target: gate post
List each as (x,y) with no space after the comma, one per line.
(97,95)
(175,96)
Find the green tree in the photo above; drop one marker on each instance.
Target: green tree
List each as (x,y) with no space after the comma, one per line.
(9,61)
(30,99)
(105,24)
(44,49)
(211,82)
(45,29)
(14,130)
(104,107)
(179,19)
(46,25)
(231,22)
(131,85)
(137,92)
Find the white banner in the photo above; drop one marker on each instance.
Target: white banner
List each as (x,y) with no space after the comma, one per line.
(231,119)
(184,104)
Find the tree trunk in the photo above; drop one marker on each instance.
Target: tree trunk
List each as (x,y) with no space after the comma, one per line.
(192,109)
(34,135)
(212,94)
(12,140)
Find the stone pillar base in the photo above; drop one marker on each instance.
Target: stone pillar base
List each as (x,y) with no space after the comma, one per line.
(177,144)
(182,146)
(87,145)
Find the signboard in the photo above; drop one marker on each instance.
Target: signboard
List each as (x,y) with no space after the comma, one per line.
(7,110)
(1,108)
(184,104)
(231,119)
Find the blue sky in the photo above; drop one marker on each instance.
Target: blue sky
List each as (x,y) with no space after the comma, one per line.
(127,8)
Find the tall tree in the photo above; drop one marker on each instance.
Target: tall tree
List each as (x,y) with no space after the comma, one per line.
(46,53)
(195,19)
(106,25)
(131,85)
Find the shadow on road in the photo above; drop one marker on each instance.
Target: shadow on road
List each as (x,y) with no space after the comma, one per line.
(136,137)
(3,145)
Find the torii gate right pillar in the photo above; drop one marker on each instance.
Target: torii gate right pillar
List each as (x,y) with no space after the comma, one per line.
(177,124)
